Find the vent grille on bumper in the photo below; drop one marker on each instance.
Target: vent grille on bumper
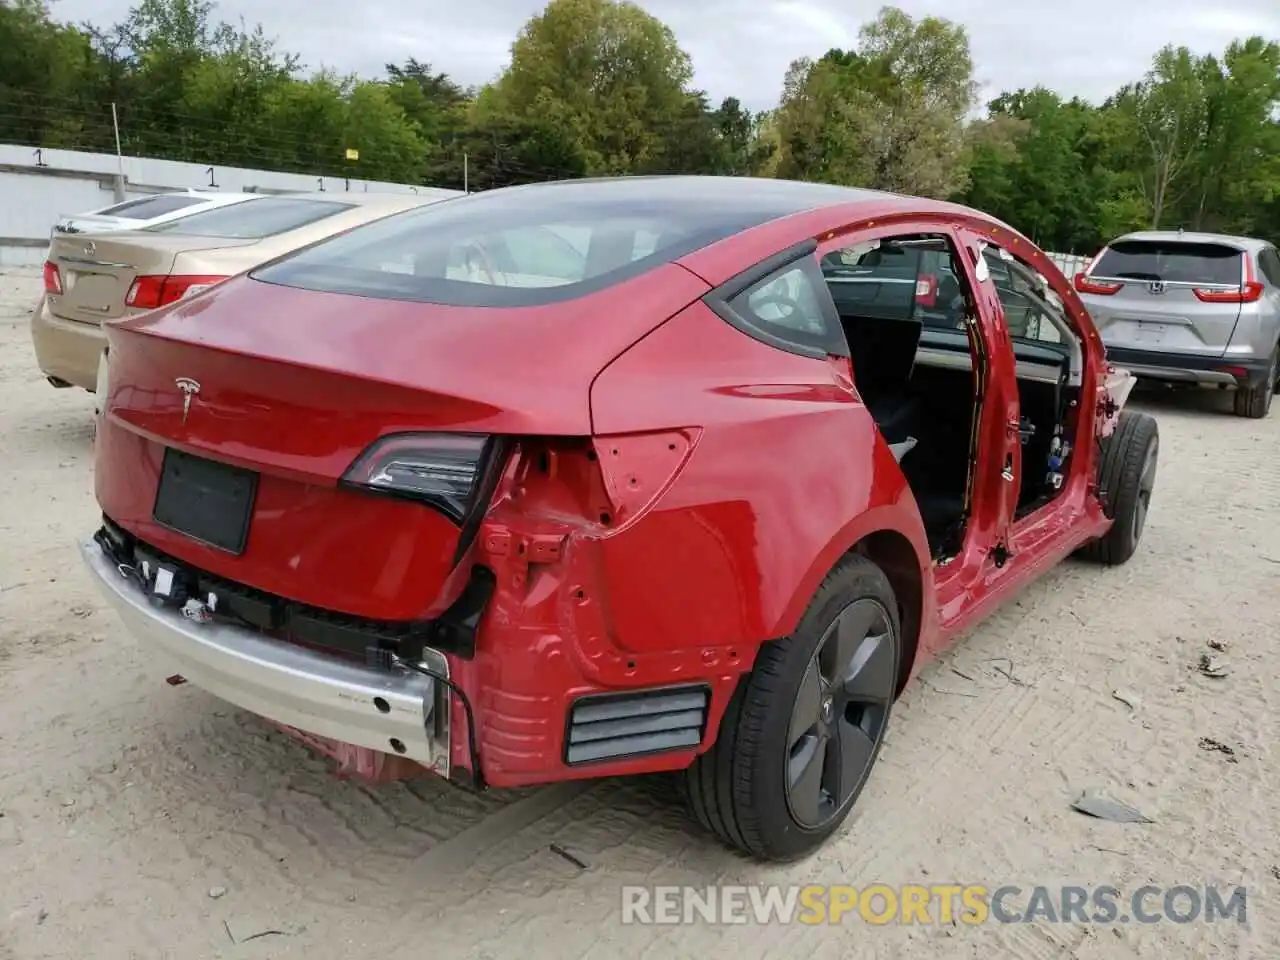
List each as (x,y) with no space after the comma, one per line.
(615,725)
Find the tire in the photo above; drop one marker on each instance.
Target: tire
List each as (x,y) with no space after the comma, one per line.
(1127,474)
(1255,402)
(741,788)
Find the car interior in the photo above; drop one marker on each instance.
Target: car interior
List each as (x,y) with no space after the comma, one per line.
(904,312)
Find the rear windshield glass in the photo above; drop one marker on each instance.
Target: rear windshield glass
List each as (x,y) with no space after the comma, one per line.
(520,248)
(145,208)
(253,219)
(1171,261)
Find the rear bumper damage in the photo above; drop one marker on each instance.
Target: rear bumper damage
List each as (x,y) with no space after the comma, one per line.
(532,706)
(334,704)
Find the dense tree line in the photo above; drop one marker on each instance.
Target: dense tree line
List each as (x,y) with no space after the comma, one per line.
(596,87)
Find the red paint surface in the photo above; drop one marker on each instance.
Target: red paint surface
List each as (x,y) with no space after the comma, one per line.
(680,491)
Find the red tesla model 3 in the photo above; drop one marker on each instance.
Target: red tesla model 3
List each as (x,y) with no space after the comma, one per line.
(611,477)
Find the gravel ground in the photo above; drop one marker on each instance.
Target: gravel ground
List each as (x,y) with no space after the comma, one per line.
(140,820)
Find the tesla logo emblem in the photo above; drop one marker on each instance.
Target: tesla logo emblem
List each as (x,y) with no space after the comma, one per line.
(190,389)
(1156,286)
(90,249)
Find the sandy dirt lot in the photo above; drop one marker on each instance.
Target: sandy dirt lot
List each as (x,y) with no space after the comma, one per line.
(140,820)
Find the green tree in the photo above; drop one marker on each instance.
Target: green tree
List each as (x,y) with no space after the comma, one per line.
(1040,178)
(1237,165)
(46,69)
(435,104)
(605,73)
(307,120)
(389,146)
(1169,111)
(889,115)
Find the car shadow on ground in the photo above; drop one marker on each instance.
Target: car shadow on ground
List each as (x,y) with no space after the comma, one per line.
(1195,401)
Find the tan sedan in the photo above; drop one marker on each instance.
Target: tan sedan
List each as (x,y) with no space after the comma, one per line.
(92,278)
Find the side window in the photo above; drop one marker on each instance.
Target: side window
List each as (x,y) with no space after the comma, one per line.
(790,309)
(1269,262)
(899,278)
(1032,310)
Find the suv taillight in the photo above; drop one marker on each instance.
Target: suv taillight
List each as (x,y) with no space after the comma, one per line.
(1250,290)
(149,292)
(52,278)
(1086,284)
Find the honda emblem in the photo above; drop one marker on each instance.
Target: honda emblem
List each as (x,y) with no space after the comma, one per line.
(1156,287)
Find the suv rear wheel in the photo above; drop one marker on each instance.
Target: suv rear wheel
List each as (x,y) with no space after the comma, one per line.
(1255,402)
(801,734)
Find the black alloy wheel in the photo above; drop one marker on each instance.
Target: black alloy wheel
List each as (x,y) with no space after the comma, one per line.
(801,734)
(840,713)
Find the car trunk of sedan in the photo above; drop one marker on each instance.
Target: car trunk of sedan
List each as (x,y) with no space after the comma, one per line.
(93,278)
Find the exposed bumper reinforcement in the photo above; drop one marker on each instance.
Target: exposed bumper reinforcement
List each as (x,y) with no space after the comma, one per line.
(399,714)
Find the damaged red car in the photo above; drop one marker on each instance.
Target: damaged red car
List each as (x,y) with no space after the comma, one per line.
(611,477)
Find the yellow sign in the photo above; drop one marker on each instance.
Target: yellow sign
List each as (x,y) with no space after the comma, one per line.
(353,154)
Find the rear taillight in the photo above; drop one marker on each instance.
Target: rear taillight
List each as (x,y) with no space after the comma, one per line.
(149,292)
(927,290)
(52,278)
(1086,284)
(1250,290)
(444,470)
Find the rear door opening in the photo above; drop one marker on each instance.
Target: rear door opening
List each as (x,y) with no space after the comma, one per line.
(903,306)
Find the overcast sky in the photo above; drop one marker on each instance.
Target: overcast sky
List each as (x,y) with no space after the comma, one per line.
(742,47)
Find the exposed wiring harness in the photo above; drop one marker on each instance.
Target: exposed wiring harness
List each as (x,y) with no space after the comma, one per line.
(476,775)
(131,571)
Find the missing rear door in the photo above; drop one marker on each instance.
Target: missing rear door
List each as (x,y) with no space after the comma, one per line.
(918,365)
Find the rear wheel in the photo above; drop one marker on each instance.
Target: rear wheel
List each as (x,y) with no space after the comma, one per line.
(801,735)
(1127,474)
(1255,402)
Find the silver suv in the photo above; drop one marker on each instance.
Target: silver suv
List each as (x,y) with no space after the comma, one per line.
(1193,308)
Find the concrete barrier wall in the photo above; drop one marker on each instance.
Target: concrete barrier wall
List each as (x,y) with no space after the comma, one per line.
(38,186)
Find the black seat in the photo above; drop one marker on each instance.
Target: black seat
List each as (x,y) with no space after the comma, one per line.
(896,415)
(884,354)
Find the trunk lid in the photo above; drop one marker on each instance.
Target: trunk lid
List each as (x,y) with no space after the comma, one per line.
(97,270)
(1156,307)
(294,385)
